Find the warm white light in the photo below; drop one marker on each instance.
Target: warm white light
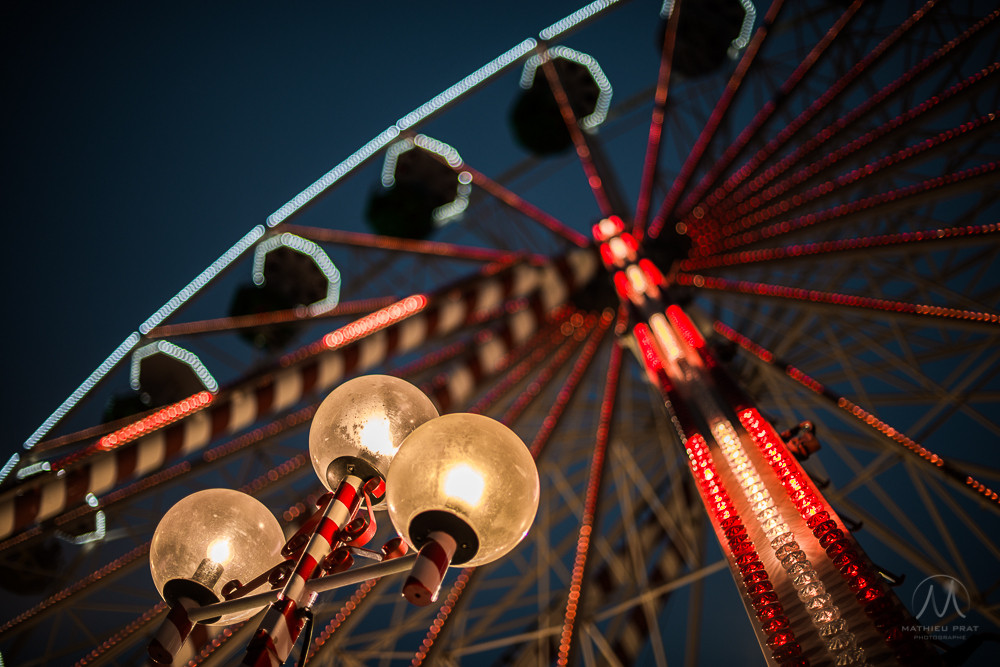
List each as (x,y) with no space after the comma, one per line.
(464,482)
(219,551)
(665,337)
(377,438)
(208,539)
(468,476)
(362,422)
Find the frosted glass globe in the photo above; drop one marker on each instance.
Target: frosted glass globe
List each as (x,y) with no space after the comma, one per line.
(360,425)
(209,538)
(469,476)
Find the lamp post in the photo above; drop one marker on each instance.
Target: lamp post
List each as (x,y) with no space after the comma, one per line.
(459,489)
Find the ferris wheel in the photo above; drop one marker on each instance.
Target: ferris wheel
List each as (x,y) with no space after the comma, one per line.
(805,194)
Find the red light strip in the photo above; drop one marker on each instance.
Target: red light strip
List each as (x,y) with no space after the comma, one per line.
(833,298)
(689,332)
(656,123)
(573,126)
(380,319)
(720,165)
(157,420)
(719,112)
(979,490)
(506,196)
(856,570)
(838,213)
(927,236)
(822,138)
(263,319)
(741,218)
(770,614)
(435,248)
(819,104)
(590,504)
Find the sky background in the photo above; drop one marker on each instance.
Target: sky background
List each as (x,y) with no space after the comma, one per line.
(141,140)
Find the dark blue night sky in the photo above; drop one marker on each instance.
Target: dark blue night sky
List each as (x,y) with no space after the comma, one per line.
(141,140)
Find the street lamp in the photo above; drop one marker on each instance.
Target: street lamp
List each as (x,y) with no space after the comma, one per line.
(461,489)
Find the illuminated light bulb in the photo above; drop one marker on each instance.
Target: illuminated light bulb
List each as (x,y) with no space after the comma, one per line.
(607,228)
(637,279)
(360,425)
(783,538)
(819,601)
(619,251)
(464,482)
(468,476)
(810,591)
(220,551)
(208,539)
(663,335)
(833,627)
(825,616)
(791,558)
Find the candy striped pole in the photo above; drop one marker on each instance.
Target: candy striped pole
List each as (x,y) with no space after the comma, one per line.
(424,581)
(172,634)
(279,630)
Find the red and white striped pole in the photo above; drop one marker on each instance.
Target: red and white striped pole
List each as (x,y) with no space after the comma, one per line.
(172,634)
(274,640)
(424,581)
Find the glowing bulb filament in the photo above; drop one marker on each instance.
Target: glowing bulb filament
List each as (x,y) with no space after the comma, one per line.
(219,551)
(375,436)
(464,482)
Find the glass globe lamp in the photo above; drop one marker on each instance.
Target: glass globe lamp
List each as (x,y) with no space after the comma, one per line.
(209,538)
(468,476)
(360,425)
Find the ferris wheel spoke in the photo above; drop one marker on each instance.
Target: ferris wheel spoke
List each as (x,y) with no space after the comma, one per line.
(580,143)
(744,218)
(414,246)
(959,91)
(925,240)
(647,611)
(960,479)
(766,113)
(590,512)
(820,301)
(512,200)
(970,524)
(680,184)
(790,130)
(227,324)
(931,190)
(955,557)
(652,158)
